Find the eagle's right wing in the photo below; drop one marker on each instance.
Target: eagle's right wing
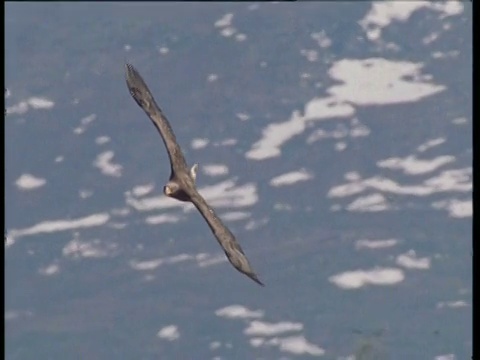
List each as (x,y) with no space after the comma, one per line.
(144,98)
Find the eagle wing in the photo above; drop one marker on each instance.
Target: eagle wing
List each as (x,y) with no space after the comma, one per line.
(224,236)
(144,98)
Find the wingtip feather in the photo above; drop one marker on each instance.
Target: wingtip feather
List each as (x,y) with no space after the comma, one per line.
(255,278)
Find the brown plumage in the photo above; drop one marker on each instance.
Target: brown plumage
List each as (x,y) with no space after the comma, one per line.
(181,185)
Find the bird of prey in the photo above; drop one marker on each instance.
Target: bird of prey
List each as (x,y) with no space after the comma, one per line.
(181,185)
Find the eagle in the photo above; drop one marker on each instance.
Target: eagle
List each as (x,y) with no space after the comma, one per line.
(181,184)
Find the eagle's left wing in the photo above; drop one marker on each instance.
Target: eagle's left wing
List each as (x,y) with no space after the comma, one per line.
(224,236)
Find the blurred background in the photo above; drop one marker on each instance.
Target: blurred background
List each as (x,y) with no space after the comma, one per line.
(334,140)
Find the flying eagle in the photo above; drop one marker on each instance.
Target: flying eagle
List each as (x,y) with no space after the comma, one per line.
(181,185)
